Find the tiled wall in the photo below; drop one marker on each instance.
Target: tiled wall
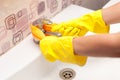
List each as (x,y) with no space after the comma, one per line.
(16,16)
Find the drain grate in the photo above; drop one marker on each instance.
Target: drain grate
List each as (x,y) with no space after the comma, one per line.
(67,74)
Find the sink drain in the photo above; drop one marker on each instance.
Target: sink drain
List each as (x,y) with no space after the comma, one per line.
(67,74)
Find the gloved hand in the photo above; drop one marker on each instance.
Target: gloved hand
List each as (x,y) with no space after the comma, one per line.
(89,22)
(65,30)
(60,48)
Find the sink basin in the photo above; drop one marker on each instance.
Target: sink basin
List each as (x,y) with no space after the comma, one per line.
(25,62)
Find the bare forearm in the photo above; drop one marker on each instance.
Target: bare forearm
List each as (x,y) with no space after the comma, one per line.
(103,45)
(111,14)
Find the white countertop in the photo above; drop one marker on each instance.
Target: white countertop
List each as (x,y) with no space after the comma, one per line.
(18,57)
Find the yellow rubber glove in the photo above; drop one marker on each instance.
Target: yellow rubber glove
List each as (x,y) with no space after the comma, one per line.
(89,22)
(60,48)
(66,30)
(92,22)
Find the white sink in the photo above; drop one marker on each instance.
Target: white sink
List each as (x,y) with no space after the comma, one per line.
(25,62)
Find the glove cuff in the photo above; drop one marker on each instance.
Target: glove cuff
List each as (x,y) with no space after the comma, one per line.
(100,26)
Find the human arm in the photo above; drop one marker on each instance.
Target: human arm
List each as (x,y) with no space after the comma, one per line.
(75,50)
(111,14)
(102,45)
